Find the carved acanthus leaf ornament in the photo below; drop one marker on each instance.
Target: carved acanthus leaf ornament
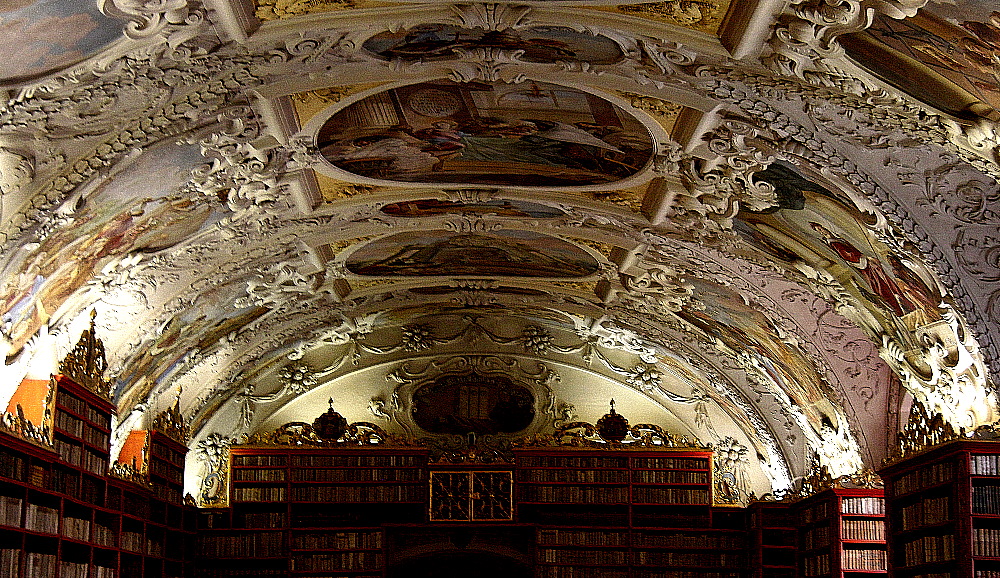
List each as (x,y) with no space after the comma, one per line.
(805,34)
(148,18)
(716,191)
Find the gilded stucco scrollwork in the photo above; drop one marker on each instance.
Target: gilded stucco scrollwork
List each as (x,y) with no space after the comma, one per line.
(212,453)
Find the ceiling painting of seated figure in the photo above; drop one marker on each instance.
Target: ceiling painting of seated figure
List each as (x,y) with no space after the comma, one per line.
(527,134)
(822,228)
(540,44)
(442,253)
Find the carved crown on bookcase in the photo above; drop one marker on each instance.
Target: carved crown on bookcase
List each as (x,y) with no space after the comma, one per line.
(86,363)
(925,430)
(129,473)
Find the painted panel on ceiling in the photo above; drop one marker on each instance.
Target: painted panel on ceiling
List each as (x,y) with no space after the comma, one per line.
(541,44)
(505,253)
(527,134)
(946,56)
(500,208)
(823,228)
(39,36)
(137,211)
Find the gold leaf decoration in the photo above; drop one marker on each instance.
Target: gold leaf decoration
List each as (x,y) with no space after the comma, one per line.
(333,189)
(302,434)
(361,284)
(664,112)
(700,15)
(171,424)
(308,104)
(584,434)
(337,247)
(278,9)
(923,430)
(631,200)
(602,248)
(86,363)
(584,286)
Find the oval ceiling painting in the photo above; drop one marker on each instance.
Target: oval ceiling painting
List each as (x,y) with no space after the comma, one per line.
(527,134)
(504,254)
(541,44)
(39,36)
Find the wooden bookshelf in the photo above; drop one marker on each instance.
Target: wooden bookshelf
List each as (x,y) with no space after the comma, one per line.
(627,513)
(773,537)
(945,511)
(842,534)
(326,511)
(314,512)
(63,516)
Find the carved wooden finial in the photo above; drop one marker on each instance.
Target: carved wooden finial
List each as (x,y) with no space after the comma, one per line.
(86,363)
(170,423)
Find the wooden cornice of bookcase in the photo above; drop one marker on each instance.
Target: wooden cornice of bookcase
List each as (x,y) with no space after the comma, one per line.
(129,473)
(86,363)
(299,433)
(819,480)
(583,434)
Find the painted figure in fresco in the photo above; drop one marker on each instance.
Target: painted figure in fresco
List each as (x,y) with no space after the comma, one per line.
(955,57)
(438,253)
(880,285)
(477,133)
(543,44)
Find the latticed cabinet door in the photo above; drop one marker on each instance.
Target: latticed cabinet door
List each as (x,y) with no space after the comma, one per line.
(471,496)
(491,496)
(450,496)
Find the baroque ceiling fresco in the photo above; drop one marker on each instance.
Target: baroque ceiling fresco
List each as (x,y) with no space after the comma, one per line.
(766,226)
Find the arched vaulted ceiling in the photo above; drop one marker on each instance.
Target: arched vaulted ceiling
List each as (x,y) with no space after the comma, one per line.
(764,224)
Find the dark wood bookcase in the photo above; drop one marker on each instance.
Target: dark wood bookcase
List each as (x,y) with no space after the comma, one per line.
(316,512)
(945,511)
(842,534)
(773,534)
(63,516)
(341,511)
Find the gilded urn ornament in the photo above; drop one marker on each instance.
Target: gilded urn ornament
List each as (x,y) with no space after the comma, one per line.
(331,425)
(612,427)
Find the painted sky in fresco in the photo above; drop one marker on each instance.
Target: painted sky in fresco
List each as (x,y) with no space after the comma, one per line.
(39,36)
(137,211)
